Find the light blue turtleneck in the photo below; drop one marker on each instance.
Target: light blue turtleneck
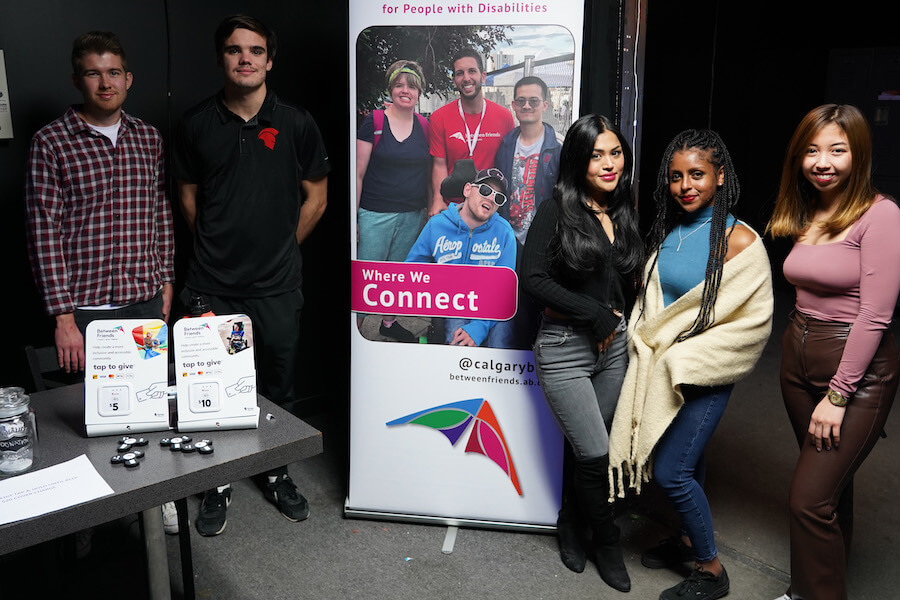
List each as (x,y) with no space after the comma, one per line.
(682,269)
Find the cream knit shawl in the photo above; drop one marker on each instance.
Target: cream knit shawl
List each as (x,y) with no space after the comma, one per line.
(724,353)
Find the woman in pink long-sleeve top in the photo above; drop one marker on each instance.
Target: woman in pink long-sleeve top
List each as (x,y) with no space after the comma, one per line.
(839,361)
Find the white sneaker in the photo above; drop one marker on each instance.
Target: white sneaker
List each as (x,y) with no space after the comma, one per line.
(783,597)
(170,518)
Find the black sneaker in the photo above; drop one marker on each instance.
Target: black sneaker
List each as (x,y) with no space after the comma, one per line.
(283,493)
(669,553)
(700,585)
(212,520)
(398,332)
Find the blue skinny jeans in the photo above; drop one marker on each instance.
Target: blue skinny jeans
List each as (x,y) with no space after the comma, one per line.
(679,466)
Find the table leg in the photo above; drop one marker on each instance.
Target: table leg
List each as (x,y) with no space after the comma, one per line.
(157,560)
(184,543)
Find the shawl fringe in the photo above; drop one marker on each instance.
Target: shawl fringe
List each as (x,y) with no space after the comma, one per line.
(722,354)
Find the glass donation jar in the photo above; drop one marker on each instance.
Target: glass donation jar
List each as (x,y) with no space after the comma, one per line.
(18,432)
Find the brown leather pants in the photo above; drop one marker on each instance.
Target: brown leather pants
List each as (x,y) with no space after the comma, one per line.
(821,496)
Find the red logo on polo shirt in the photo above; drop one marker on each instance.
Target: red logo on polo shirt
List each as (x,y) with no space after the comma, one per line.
(267,135)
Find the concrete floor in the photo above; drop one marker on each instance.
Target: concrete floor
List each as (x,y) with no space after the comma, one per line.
(750,461)
(261,555)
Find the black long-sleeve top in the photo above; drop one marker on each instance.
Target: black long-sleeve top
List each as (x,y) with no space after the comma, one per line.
(588,297)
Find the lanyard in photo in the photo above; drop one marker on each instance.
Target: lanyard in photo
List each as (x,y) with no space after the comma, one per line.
(472,138)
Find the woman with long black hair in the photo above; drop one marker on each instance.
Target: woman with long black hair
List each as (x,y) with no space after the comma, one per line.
(580,256)
(699,325)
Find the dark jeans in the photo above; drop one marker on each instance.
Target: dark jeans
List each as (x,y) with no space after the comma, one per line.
(680,468)
(276,337)
(148,309)
(821,496)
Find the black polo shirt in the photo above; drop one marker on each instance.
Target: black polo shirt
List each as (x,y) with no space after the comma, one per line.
(249,194)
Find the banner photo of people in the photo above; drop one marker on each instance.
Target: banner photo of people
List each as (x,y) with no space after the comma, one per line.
(459,113)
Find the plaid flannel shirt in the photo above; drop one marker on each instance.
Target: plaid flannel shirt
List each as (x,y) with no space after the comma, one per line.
(99,224)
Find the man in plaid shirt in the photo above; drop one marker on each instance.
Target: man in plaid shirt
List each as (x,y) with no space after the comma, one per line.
(99,226)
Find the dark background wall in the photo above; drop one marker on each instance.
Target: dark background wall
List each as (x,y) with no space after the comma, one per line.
(171,53)
(751,70)
(748,69)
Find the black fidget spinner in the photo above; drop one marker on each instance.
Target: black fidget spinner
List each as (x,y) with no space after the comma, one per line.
(175,443)
(127,443)
(183,444)
(129,459)
(204,447)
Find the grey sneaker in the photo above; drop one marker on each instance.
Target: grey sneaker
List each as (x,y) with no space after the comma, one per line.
(291,503)
(212,519)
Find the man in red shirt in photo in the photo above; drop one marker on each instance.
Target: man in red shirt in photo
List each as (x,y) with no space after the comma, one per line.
(469,127)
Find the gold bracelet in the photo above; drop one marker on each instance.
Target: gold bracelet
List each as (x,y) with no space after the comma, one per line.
(837,398)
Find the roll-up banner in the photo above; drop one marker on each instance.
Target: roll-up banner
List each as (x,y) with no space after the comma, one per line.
(448,421)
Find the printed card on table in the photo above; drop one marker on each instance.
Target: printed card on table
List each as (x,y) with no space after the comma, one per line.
(215,373)
(125,376)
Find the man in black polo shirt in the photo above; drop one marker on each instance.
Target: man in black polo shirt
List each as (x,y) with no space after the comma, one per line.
(251,172)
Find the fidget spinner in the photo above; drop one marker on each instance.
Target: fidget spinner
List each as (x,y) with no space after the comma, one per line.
(129,459)
(204,446)
(183,444)
(127,443)
(175,443)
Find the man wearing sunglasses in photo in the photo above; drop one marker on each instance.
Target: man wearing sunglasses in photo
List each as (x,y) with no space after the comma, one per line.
(471,233)
(528,155)
(529,158)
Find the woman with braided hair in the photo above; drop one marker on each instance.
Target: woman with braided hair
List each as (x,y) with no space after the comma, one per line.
(699,325)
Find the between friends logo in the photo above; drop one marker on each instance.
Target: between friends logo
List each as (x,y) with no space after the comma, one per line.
(453,421)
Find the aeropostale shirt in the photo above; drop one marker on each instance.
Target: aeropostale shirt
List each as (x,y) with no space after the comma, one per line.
(249,178)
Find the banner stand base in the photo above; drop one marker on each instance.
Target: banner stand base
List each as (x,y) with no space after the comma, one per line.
(449,540)
(375,515)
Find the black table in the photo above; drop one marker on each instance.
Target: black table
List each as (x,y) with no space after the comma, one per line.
(162,475)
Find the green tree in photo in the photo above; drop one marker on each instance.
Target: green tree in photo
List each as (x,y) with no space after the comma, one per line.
(431,46)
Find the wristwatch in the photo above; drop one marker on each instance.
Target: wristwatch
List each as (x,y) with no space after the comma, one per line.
(837,398)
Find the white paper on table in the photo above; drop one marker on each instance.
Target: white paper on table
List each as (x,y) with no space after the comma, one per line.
(53,488)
